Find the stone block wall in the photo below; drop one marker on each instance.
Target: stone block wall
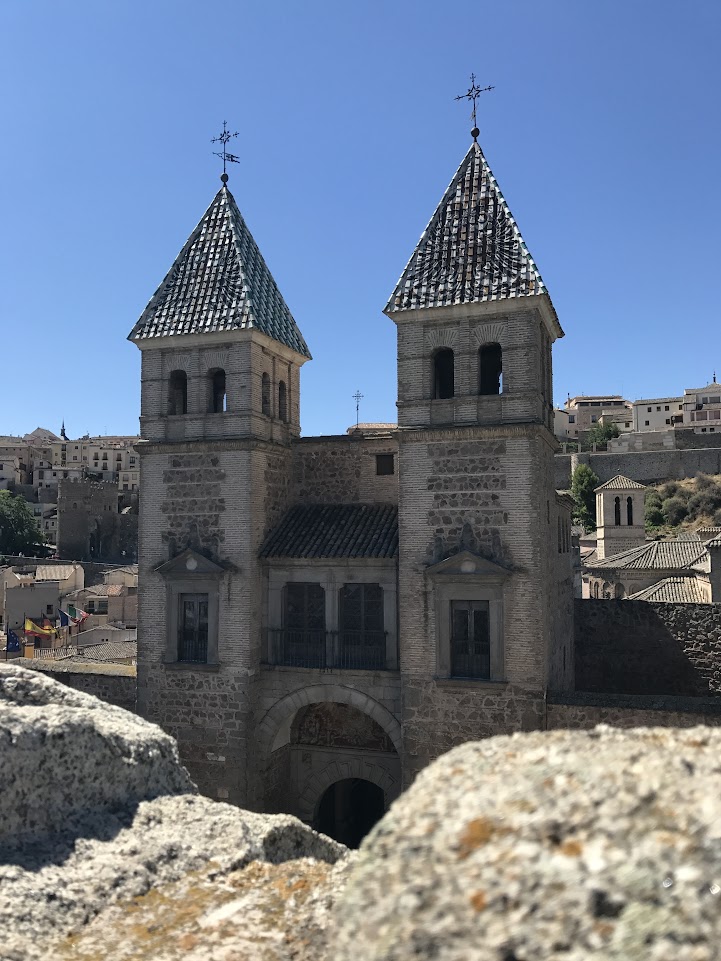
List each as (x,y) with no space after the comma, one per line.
(88,520)
(584,711)
(218,498)
(342,470)
(114,683)
(636,647)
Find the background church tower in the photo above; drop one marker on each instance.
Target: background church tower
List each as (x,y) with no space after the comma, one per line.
(485,592)
(220,404)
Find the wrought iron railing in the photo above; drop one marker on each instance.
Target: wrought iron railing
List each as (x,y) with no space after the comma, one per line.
(347,650)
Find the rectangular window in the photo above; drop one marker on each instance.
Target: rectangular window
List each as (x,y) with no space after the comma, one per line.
(302,640)
(362,640)
(594,418)
(385,464)
(645,423)
(470,639)
(658,408)
(571,418)
(648,410)
(193,628)
(666,407)
(49,609)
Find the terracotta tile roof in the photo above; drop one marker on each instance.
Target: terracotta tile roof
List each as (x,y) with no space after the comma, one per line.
(656,555)
(100,590)
(621,483)
(219,281)
(674,590)
(708,533)
(471,250)
(337,530)
(107,651)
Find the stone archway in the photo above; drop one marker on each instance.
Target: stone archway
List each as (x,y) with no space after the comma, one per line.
(343,770)
(287,707)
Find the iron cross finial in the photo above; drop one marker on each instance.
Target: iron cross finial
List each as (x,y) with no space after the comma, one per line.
(357,397)
(227,157)
(473,93)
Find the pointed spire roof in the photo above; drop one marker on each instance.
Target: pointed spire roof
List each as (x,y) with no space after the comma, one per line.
(219,281)
(471,251)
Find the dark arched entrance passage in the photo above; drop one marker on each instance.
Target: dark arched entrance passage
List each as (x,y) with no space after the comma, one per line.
(349,809)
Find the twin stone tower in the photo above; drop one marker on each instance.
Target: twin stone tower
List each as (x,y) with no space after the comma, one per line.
(319,617)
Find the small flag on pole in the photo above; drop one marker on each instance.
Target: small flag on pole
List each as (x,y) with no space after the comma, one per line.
(34,630)
(13,643)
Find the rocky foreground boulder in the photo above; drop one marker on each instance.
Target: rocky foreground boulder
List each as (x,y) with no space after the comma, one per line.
(597,845)
(565,845)
(101,821)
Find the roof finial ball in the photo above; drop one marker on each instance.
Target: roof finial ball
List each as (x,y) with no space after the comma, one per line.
(474,92)
(224,178)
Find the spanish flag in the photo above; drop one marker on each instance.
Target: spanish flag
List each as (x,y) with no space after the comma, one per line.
(32,629)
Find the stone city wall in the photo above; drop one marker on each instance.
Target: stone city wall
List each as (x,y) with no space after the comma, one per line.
(637,647)
(646,467)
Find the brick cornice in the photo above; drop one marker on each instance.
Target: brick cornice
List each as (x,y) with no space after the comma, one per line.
(208,446)
(477,432)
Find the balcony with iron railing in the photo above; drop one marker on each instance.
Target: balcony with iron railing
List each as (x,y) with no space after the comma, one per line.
(342,650)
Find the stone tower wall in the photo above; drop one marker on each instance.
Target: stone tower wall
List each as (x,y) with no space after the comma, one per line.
(219,499)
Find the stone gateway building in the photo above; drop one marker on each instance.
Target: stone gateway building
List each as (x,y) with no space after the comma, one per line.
(319,617)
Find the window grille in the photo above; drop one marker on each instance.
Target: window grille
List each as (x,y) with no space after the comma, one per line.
(470,639)
(362,640)
(193,628)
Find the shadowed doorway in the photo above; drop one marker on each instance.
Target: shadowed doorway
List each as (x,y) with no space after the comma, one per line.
(349,809)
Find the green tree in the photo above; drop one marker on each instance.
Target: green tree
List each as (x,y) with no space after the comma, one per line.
(675,510)
(583,484)
(602,433)
(19,531)
(653,511)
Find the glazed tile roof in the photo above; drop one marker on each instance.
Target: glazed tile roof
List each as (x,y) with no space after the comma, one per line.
(219,281)
(714,542)
(54,572)
(656,555)
(471,250)
(708,533)
(335,530)
(674,590)
(621,483)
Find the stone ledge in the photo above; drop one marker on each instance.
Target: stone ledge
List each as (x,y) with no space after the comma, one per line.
(328,671)
(466,683)
(53,666)
(190,666)
(643,702)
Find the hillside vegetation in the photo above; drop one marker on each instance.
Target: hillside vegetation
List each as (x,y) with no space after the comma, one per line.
(684,505)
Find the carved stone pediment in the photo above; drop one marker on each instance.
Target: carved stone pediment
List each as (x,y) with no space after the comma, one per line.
(467,564)
(190,563)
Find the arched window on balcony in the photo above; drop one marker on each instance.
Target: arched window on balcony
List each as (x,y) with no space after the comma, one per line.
(490,365)
(443,374)
(217,401)
(265,394)
(617,511)
(629,511)
(178,392)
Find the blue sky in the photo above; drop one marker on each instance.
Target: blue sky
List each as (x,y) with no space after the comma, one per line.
(602,130)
